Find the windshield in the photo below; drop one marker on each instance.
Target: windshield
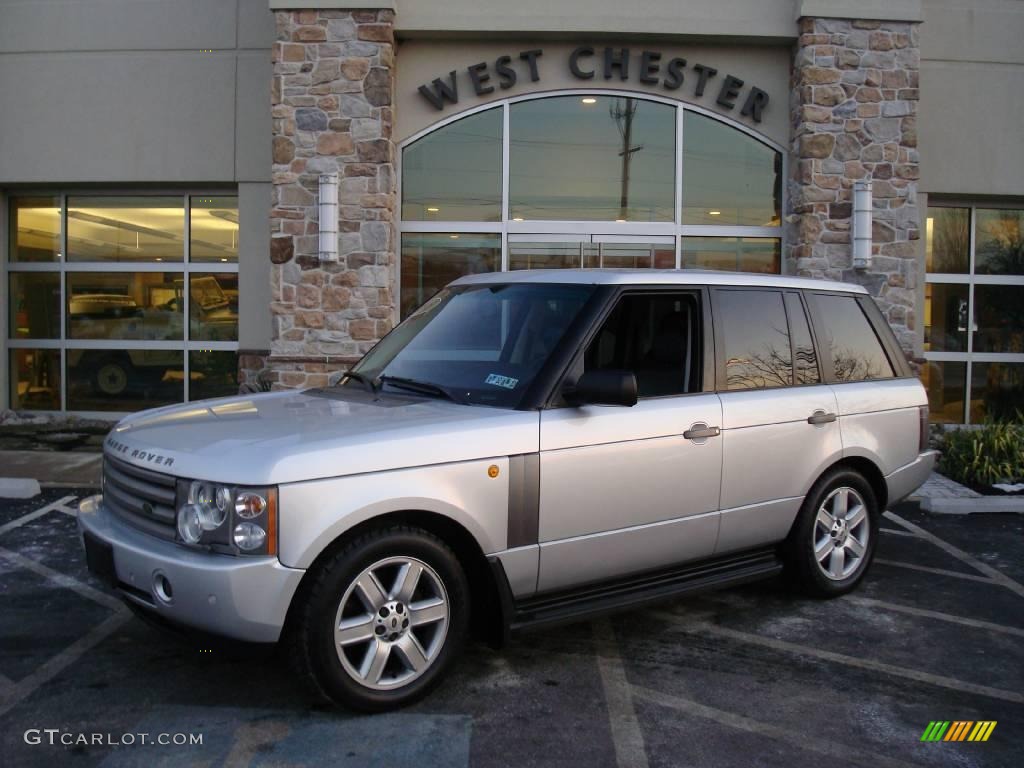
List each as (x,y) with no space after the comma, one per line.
(480,344)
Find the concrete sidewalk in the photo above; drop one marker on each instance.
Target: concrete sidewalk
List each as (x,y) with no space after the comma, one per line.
(52,469)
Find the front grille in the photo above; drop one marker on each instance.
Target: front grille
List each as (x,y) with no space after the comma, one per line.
(140,497)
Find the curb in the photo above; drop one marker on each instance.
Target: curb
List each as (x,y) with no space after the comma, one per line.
(983,505)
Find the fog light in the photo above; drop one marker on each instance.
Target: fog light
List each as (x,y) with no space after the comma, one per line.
(249,536)
(190,524)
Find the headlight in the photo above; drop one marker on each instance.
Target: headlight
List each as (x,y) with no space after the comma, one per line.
(226,518)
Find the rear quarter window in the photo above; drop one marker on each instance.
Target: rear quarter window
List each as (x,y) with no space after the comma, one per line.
(850,349)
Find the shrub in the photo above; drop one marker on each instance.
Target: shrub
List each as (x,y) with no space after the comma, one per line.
(992,453)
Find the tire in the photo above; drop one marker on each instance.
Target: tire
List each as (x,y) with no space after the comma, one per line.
(381,657)
(111,376)
(829,551)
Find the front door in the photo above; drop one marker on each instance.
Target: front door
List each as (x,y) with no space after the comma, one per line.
(624,490)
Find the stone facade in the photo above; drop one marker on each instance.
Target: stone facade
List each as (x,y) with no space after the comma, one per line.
(332,113)
(853,106)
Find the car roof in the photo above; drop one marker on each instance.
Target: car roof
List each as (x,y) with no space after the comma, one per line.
(656,277)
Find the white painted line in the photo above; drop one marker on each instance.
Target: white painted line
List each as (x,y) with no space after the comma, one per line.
(839,658)
(937,571)
(18,522)
(995,575)
(845,754)
(896,532)
(10,697)
(19,487)
(62,580)
(626,734)
(868,602)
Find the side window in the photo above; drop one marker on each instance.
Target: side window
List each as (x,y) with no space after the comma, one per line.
(805,360)
(755,338)
(851,349)
(657,337)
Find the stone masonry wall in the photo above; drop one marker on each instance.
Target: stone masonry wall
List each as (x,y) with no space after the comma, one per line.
(853,106)
(332,97)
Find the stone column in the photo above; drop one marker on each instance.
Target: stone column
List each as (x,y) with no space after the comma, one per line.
(332,112)
(854,93)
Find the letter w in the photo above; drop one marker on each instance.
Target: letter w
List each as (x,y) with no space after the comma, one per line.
(441,91)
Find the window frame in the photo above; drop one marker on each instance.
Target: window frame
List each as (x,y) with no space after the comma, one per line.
(635,230)
(62,267)
(971,279)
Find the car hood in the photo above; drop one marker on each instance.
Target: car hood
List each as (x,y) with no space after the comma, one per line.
(287,437)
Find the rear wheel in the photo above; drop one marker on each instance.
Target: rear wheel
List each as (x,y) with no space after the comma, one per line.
(383,620)
(833,542)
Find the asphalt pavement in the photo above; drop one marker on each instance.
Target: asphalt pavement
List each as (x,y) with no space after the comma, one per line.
(752,676)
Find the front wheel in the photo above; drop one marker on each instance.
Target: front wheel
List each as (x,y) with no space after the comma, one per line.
(833,542)
(383,620)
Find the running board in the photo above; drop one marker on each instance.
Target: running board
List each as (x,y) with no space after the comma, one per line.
(583,603)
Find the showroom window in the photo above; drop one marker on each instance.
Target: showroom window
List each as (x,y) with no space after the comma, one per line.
(974,313)
(121,302)
(588,179)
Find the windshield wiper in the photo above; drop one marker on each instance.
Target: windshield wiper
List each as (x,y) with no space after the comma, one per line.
(371,384)
(423,387)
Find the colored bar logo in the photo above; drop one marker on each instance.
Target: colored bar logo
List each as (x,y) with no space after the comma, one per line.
(958,730)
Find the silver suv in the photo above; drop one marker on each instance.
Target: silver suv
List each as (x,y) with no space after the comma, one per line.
(525,449)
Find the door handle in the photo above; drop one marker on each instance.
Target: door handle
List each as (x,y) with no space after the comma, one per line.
(820,417)
(702,433)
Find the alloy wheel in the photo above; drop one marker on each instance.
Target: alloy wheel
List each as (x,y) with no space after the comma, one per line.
(840,534)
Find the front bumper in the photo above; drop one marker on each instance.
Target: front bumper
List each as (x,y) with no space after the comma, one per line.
(907,479)
(244,598)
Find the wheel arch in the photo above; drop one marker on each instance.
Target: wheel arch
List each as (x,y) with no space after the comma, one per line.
(485,595)
(868,469)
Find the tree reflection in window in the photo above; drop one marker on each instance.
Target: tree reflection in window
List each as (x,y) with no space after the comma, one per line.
(849,341)
(756,339)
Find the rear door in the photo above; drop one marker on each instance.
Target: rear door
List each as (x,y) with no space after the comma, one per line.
(779,420)
(625,490)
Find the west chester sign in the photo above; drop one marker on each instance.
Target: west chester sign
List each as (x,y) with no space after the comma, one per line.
(609,64)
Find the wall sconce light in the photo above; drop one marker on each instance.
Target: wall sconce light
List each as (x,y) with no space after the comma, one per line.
(862,224)
(328,222)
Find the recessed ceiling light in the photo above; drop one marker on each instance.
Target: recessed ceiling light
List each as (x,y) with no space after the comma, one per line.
(223,259)
(454,237)
(433,210)
(589,100)
(517,218)
(714,213)
(620,221)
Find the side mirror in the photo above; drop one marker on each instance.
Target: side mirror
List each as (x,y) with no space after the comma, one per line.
(607,387)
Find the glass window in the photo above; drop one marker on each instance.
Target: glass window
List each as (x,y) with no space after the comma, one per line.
(848,340)
(126,229)
(124,380)
(479,344)
(35,305)
(755,337)
(946,383)
(997,391)
(35,379)
(213,307)
(590,158)
(657,337)
(213,225)
(947,240)
(999,247)
(729,177)
(125,305)
(945,317)
(454,173)
(432,260)
(805,364)
(553,255)
(733,254)
(999,326)
(35,229)
(630,256)
(212,374)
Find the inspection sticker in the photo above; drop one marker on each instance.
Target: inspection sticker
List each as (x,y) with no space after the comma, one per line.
(501,381)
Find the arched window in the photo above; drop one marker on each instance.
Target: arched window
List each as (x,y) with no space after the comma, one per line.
(586,180)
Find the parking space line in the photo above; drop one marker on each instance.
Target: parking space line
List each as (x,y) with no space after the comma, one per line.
(28,518)
(868,602)
(784,646)
(62,579)
(845,753)
(938,571)
(897,532)
(626,734)
(995,575)
(10,697)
